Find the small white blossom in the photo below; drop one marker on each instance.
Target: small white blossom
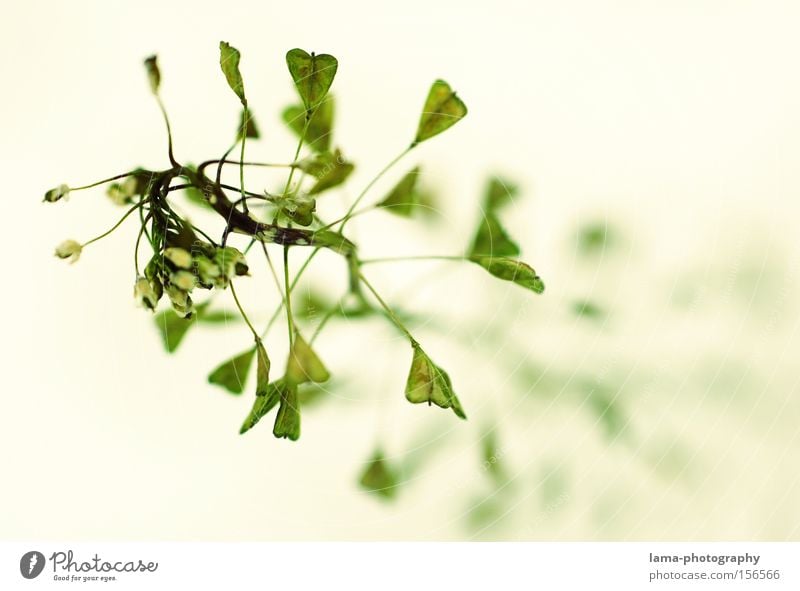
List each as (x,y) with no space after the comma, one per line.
(181,302)
(231,262)
(207,270)
(60,192)
(183,280)
(117,194)
(69,249)
(145,294)
(179,257)
(124,192)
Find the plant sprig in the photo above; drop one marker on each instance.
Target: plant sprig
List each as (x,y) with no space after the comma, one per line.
(185,261)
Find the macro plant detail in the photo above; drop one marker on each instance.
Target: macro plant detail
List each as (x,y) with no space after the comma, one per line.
(186,266)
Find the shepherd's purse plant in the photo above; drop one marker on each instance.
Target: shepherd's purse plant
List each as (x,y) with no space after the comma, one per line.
(177,261)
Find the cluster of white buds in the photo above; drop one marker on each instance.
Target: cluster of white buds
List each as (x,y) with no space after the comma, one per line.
(177,272)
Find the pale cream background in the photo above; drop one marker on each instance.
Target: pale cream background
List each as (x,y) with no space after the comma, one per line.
(677,121)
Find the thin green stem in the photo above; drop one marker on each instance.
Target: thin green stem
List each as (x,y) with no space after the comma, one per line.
(262,164)
(114,227)
(144,221)
(108,180)
(241,158)
(274,273)
(392,316)
(277,311)
(169,131)
(296,155)
(139,238)
(310,257)
(288,299)
(413,258)
(242,312)
(361,211)
(248,193)
(220,162)
(328,315)
(308,260)
(206,236)
(385,169)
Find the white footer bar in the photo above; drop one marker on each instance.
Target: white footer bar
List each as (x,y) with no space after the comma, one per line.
(406,566)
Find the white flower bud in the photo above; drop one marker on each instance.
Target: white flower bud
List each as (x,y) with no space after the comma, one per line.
(183,280)
(181,302)
(60,192)
(117,194)
(145,294)
(129,185)
(69,249)
(179,257)
(231,262)
(207,270)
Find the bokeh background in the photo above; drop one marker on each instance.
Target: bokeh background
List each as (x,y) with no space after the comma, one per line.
(650,393)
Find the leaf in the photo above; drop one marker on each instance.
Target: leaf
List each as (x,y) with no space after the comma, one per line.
(606,406)
(229,62)
(251,129)
(596,238)
(334,241)
(587,309)
(232,374)
(304,365)
(311,394)
(403,198)
(172,328)
(263,404)
(312,74)
(511,270)
(320,165)
(442,110)
(492,240)
(153,73)
(378,477)
(196,196)
(429,383)
(312,304)
(498,194)
(320,126)
(492,456)
(287,422)
(219,317)
(330,170)
(262,369)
